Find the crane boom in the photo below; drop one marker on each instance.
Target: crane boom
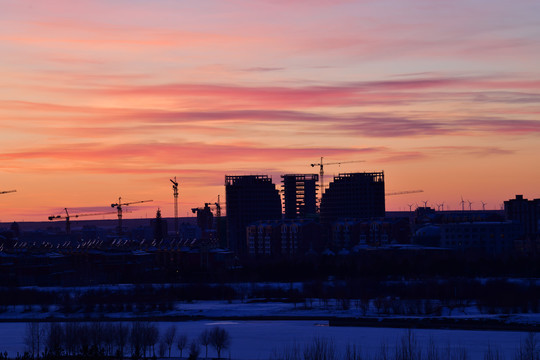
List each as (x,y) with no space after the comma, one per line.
(68,217)
(403,192)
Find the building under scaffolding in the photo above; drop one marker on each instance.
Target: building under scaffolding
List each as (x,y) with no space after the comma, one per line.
(249,198)
(299,195)
(354,195)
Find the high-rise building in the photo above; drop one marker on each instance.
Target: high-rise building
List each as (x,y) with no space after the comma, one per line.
(249,198)
(526,212)
(299,195)
(354,195)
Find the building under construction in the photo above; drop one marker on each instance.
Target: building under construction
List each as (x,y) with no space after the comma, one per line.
(354,195)
(249,198)
(299,195)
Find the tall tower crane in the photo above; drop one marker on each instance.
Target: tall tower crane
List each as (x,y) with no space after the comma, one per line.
(118,207)
(67,217)
(175,193)
(321,167)
(218,208)
(7,191)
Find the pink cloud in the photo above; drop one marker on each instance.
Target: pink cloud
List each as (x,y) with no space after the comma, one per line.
(149,157)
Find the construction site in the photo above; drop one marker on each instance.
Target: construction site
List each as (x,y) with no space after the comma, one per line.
(299,218)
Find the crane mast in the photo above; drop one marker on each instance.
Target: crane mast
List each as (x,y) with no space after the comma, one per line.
(175,193)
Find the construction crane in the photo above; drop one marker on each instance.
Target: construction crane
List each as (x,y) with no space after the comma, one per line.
(68,217)
(118,207)
(321,167)
(7,191)
(403,192)
(218,208)
(175,193)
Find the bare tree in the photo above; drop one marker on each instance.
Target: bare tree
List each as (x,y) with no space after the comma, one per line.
(194,350)
(54,338)
(492,354)
(219,339)
(71,337)
(162,349)
(181,343)
(204,339)
(290,352)
(352,352)
(408,348)
(96,334)
(151,336)
(33,337)
(529,349)
(121,338)
(108,338)
(320,349)
(168,337)
(136,339)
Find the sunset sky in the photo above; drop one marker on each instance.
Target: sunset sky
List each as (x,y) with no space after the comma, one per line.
(103,99)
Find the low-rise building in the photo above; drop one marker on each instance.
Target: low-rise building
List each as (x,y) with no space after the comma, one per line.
(488,237)
(283,237)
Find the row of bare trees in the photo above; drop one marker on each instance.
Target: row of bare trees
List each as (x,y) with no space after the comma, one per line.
(116,340)
(407,347)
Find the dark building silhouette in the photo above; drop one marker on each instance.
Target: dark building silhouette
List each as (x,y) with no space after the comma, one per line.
(354,195)
(205,218)
(352,233)
(283,238)
(299,195)
(526,212)
(249,198)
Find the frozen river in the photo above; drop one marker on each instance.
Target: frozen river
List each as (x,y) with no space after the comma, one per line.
(258,340)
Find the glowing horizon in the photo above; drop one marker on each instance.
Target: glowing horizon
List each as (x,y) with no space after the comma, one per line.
(105,99)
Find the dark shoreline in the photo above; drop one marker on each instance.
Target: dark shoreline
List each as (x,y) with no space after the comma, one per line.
(482,324)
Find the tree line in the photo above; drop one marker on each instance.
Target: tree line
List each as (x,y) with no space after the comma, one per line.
(117,340)
(419,296)
(407,347)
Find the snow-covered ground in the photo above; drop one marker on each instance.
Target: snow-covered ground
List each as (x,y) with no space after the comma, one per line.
(258,340)
(220,309)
